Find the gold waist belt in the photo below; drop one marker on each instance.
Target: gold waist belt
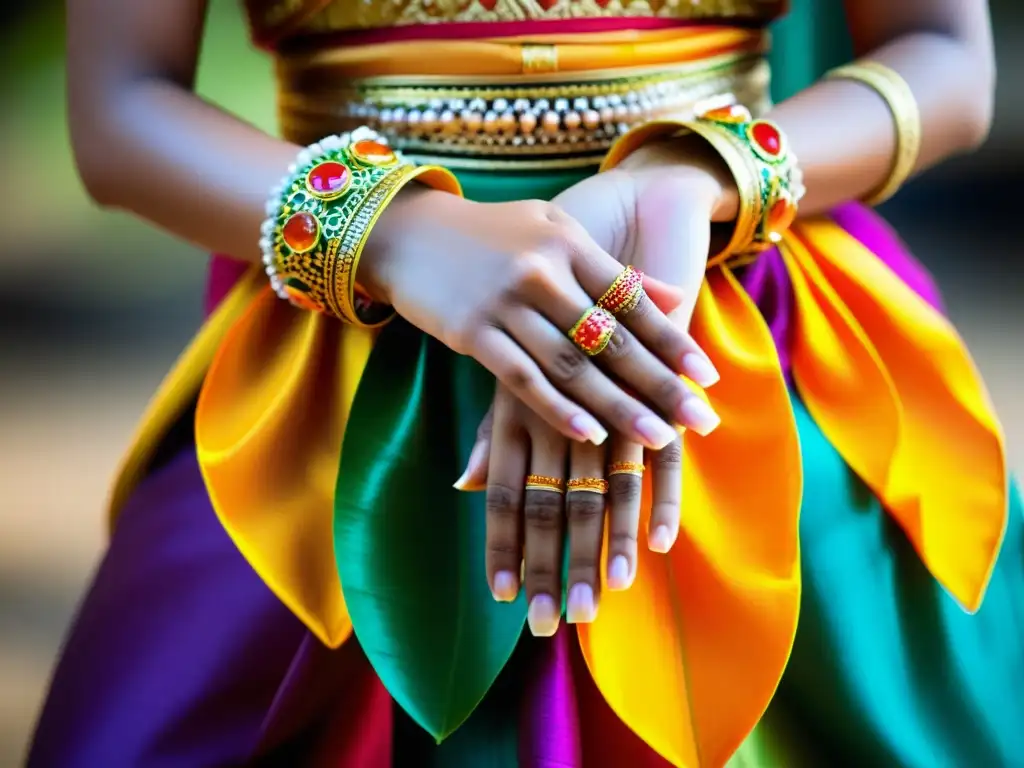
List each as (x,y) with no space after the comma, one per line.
(546,120)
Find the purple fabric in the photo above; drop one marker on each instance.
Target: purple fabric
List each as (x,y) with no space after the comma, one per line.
(178,649)
(549,725)
(224,272)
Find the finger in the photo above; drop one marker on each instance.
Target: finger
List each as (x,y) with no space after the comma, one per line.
(666,297)
(597,271)
(670,341)
(507,469)
(625,481)
(517,371)
(572,371)
(667,497)
(654,383)
(474,477)
(585,511)
(544,515)
(627,358)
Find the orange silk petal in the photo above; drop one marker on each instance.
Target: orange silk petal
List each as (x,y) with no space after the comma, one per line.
(936,460)
(690,656)
(269,425)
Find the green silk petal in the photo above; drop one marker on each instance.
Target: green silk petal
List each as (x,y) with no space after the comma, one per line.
(410,548)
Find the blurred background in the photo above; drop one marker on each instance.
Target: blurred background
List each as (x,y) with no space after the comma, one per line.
(94,306)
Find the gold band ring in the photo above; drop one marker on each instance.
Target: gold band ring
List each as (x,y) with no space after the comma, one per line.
(545,483)
(626,468)
(624,293)
(593,330)
(591,484)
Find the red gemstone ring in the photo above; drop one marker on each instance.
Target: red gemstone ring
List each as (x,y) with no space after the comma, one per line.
(593,330)
(625,293)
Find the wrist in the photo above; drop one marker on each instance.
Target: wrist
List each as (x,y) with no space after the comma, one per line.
(402,227)
(691,157)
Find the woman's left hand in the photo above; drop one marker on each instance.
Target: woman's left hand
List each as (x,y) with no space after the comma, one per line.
(655,212)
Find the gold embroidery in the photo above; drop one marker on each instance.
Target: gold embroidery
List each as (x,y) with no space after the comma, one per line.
(368,14)
(539,58)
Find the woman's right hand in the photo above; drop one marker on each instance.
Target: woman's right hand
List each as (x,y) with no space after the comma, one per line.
(503,283)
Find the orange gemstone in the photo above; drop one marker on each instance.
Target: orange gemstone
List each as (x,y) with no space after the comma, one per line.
(767,137)
(301,232)
(301,299)
(372,152)
(731,114)
(781,215)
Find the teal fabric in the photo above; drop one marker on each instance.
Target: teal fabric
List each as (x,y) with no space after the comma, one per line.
(809,40)
(887,669)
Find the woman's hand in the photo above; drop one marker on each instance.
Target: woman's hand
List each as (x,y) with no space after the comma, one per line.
(654,212)
(503,283)
(526,527)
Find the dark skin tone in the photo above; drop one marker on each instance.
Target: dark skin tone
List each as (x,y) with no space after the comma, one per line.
(134,118)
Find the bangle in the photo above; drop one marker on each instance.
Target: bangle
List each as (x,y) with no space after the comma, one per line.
(766,173)
(897,95)
(320,216)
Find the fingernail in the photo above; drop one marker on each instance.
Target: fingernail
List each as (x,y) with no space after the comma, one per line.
(506,586)
(700,369)
(654,432)
(588,429)
(542,616)
(475,457)
(661,539)
(580,608)
(698,416)
(618,573)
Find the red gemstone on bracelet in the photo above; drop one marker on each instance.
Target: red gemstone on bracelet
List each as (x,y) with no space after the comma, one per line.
(767,137)
(372,152)
(328,180)
(301,232)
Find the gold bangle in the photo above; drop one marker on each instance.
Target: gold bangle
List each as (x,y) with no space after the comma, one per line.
(767,177)
(320,216)
(897,95)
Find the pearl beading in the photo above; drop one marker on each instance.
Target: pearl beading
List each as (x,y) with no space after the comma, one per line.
(526,121)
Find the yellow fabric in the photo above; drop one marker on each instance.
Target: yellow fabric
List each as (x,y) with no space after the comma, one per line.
(269,425)
(179,387)
(709,627)
(588,53)
(901,400)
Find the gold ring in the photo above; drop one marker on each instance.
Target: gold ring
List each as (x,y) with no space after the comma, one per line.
(624,293)
(626,468)
(590,484)
(545,483)
(593,330)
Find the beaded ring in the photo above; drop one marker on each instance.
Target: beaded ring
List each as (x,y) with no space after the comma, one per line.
(593,330)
